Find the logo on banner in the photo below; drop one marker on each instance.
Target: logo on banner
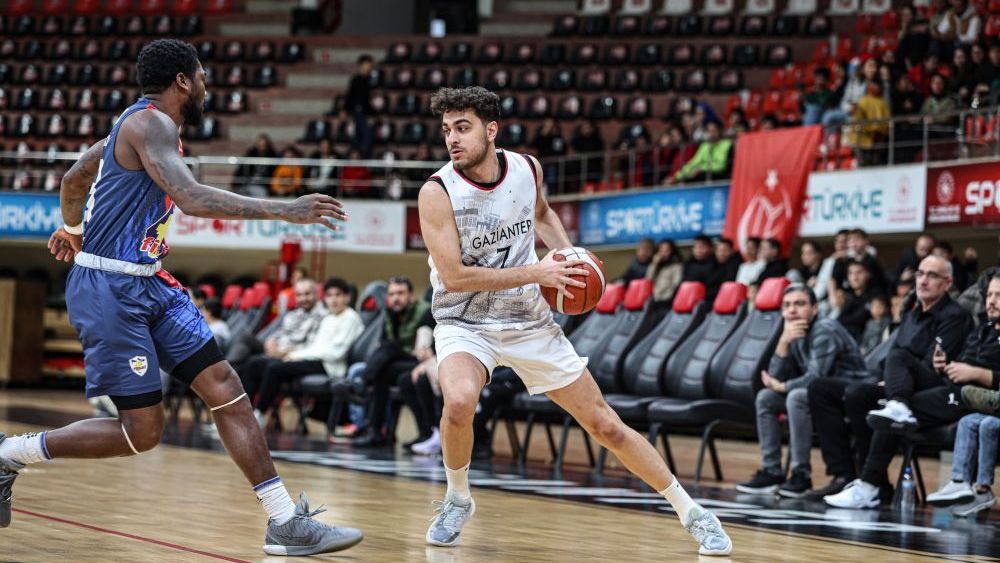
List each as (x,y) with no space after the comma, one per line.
(768,212)
(945,187)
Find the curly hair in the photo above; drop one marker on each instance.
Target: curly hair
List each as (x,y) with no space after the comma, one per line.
(161,60)
(484,103)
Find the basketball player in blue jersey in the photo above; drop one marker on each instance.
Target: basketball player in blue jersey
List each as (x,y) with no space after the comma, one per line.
(134,319)
(479,214)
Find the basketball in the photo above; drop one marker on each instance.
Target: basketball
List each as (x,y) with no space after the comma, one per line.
(585,298)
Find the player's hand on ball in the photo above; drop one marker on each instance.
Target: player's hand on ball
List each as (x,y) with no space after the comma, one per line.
(64,246)
(315,208)
(552,273)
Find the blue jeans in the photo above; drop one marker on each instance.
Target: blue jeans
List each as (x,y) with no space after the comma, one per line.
(812,114)
(834,118)
(356,372)
(976,430)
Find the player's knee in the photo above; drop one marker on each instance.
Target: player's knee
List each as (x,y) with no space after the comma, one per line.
(460,410)
(609,431)
(144,436)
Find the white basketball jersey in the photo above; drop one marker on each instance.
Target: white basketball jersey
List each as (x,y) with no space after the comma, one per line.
(496,227)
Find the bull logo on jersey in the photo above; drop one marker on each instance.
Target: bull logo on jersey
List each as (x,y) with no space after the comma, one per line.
(154,244)
(138,365)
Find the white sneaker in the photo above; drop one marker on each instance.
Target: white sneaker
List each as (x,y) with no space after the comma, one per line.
(951,493)
(857,494)
(430,446)
(893,417)
(979,502)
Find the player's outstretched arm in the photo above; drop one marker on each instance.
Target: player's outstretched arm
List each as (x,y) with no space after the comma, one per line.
(154,137)
(437,224)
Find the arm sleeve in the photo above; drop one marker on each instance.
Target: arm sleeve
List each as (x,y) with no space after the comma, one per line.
(783,369)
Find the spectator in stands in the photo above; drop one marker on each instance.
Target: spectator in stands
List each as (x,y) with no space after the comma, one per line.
(325,352)
(417,176)
(640,262)
(701,263)
(588,140)
(548,144)
(255,179)
(752,266)
(856,87)
(297,329)
(323,177)
(396,353)
(711,161)
(644,161)
(728,265)
(775,265)
(211,309)
(992,72)
(960,82)
(944,249)
(870,126)
(854,314)
(960,25)
(287,179)
(665,270)
(905,98)
(814,273)
(675,153)
(922,74)
(913,37)
(877,327)
(287,295)
(355,179)
(737,122)
(358,106)
(938,105)
(912,256)
(819,99)
(916,395)
(858,250)
(899,299)
(809,348)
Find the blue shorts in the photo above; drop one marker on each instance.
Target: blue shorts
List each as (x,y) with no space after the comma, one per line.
(131,327)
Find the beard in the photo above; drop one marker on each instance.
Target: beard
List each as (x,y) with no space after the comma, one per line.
(473,158)
(193,112)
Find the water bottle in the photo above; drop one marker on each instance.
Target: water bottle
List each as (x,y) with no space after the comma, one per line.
(907,496)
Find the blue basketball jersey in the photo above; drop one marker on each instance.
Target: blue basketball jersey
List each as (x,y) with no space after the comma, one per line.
(127,214)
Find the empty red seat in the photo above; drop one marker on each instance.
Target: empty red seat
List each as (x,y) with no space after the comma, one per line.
(19,7)
(777,80)
(218,6)
(821,51)
(231,295)
(845,48)
(184,7)
(86,7)
(118,7)
(248,299)
(772,103)
(54,7)
(890,21)
(151,7)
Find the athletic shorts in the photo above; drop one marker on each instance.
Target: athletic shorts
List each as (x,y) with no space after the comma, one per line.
(544,358)
(131,327)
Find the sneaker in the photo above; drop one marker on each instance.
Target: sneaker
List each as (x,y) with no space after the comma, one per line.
(450,515)
(799,485)
(430,446)
(982,399)
(303,535)
(708,532)
(951,493)
(895,417)
(857,494)
(8,472)
(763,483)
(979,502)
(835,486)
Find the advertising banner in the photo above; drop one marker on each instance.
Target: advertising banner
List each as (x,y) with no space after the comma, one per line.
(29,215)
(879,200)
(679,213)
(964,195)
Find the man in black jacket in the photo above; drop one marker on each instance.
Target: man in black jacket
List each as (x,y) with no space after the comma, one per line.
(917,395)
(701,263)
(728,261)
(358,105)
(775,266)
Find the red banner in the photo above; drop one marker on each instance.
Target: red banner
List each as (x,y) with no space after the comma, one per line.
(967,195)
(769,184)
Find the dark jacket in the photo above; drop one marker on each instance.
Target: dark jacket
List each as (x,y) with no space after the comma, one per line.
(826,351)
(982,349)
(918,330)
(699,270)
(636,270)
(722,273)
(359,95)
(401,328)
(854,315)
(774,269)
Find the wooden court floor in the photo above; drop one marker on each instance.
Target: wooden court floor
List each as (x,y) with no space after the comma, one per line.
(178,504)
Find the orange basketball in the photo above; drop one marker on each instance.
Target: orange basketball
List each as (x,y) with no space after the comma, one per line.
(585,298)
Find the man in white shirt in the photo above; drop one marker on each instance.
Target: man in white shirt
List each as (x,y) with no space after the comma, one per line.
(960,24)
(325,352)
(752,265)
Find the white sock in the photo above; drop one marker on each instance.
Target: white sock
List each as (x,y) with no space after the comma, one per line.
(458,481)
(274,497)
(25,449)
(680,500)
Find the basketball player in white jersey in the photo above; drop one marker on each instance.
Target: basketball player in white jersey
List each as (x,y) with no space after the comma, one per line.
(479,214)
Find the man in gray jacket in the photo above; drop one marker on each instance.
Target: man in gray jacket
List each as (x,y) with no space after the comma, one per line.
(809,348)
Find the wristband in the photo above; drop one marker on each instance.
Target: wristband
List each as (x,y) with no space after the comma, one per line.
(77,230)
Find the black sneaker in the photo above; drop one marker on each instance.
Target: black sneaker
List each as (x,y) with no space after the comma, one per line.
(799,485)
(763,482)
(835,486)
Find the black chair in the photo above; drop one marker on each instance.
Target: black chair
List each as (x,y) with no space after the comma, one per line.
(562,80)
(681,55)
(490,53)
(584,54)
(649,54)
(746,55)
(428,53)
(407,105)
(728,80)
(413,133)
(785,26)
(605,107)
(316,131)
(499,79)
(627,26)
(432,79)
(690,25)
(569,107)
(511,135)
(626,80)
(566,26)
(529,80)
(539,107)
(402,79)
(458,53)
(818,26)
(594,26)
(508,107)
(615,55)
(522,54)
(119,50)
(721,25)
(629,133)
(753,26)
(398,53)
(464,78)
(189,26)
(778,55)
(661,80)
(292,53)
(594,81)
(658,26)
(264,77)
(553,54)
(638,107)
(714,55)
(695,80)
(732,380)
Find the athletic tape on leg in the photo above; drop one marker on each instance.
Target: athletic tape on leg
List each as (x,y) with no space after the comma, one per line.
(129,440)
(233,402)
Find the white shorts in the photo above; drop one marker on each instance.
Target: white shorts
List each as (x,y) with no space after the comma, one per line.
(544,358)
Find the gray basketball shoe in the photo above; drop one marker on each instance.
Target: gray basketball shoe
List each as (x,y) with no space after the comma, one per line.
(302,535)
(708,532)
(451,515)
(8,472)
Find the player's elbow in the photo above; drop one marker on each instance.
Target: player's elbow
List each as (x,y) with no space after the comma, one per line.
(454,282)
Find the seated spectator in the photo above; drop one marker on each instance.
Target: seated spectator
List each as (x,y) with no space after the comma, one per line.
(938,104)
(255,179)
(858,250)
(809,348)
(287,295)
(323,177)
(820,99)
(856,87)
(961,24)
(814,273)
(421,392)
(326,351)
(944,249)
(854,313)
(548,144)
(912,256)
(211,309)
(588,140)
(877,327)
(640,263)
(906,100)
(665,270)
(871,126)
(644,162)
(917,396)
(728,261)
(355,179)
(701,263)
(922,73)
(775,266)
(675,152)
(900,300)
(287,179)
(396,354)
(296,330)
(752,266)
(711,161)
